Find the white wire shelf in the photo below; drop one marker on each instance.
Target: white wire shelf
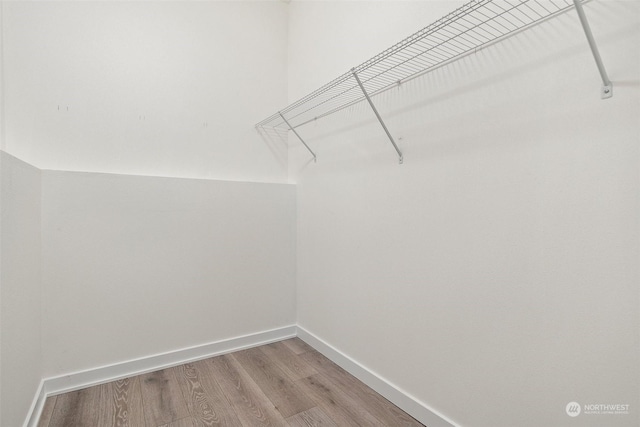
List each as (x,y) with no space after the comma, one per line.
(466,29)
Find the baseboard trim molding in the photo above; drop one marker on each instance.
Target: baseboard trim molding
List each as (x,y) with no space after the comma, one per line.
(91,377)
(36,406)
(104,374)
(401,399)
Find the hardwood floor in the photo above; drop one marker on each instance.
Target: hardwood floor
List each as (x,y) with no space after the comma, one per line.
(286,383)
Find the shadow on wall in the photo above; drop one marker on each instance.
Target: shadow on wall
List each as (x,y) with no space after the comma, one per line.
(276,139)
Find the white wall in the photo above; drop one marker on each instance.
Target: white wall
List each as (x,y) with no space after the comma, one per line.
(147,88)
(493,276)
(142,88)
(20,293)
(2,144)
(135,266)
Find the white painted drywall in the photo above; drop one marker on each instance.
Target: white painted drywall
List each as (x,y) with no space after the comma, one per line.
(1,77)
(1,147)
(20,295)
(135,266)
(493,276)
(145,88)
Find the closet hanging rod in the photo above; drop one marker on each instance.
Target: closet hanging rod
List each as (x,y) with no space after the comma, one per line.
(472,26)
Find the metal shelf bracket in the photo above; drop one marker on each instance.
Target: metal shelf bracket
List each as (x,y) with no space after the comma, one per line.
(462,32)
(373,107)
(607,86)
(299,137)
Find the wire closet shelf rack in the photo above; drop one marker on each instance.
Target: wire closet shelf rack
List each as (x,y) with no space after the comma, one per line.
(461,32)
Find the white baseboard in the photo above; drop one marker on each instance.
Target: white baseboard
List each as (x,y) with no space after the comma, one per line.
(77,380)
(401,399)
(108,373)
(36,406)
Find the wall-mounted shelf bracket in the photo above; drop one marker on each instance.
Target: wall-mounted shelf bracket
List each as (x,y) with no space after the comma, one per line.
(462,32)
(299,137)
(607,86)
(373,107)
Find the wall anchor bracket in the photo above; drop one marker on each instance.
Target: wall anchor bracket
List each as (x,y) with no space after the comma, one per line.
(373,107)
(607,86)
(299,137)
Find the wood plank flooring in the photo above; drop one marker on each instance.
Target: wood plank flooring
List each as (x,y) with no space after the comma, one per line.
(286,383)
